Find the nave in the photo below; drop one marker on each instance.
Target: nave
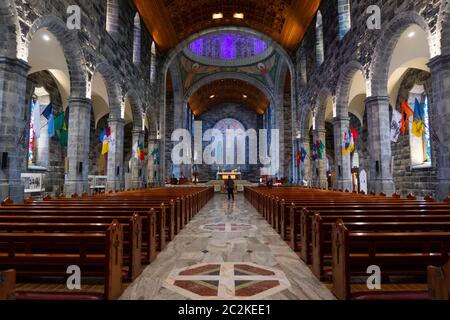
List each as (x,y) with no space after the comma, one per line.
(227,252)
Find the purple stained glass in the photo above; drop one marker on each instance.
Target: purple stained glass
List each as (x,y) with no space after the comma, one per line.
(228,46)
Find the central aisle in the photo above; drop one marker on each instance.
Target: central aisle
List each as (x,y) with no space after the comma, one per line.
(227,252)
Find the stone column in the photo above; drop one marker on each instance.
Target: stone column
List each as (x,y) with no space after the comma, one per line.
(43,144)
(342,163)
(320,170)
(305,170)
(78,146)
(152,167)
(440,122)
(378,120)
(13,128)
(115,170)
(136,181)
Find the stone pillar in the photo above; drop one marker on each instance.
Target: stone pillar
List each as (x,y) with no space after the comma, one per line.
(115,170)
(13,128)
(152,166)
(43,144)
(305,170)
(342,163)
(440,122)
(136,167)
(78,146)
(320,168)
(380,170)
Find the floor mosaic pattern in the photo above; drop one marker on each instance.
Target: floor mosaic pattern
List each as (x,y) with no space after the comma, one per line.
(228,251)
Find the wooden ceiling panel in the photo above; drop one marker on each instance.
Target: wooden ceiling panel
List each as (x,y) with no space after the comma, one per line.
(228,91)
(172,21)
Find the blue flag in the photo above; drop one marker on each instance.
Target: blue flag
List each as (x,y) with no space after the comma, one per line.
(304,154)
(51,126)
(103,135)
(48,111)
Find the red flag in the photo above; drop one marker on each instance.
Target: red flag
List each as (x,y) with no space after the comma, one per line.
(354,134)
(407,113)
(299,157)
(108,131)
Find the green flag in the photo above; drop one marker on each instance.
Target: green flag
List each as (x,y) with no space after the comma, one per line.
(59,121)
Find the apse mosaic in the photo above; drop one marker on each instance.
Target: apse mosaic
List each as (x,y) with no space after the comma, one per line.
(227,281)
(228,227)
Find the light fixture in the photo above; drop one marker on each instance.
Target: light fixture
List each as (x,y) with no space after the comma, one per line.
(212,96)
(244,96)
(217,16)
(46,37)
(238,15)
(411,34)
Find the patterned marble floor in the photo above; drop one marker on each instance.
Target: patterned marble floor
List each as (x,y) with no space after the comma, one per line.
(227,252)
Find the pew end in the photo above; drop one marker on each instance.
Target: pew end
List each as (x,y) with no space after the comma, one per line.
(135,246)
(7,284)
(7,202)
(341,278)
(113,283)
(439,282)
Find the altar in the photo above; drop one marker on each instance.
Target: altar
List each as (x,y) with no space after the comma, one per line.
(226,175)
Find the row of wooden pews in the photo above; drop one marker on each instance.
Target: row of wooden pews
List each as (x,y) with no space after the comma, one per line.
(109,237)
(341,234)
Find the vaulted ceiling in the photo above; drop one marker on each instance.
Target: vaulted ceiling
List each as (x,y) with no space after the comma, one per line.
(172,21)
(228,91)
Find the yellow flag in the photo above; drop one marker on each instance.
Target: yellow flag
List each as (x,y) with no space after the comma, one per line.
(105,147)
(417,128)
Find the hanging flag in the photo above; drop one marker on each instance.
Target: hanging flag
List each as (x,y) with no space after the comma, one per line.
(347,143)
(64,136)
(304,154)
(315,152)
(105,146)
(135,151)
(320,149)
(141,151)
(48,111)
(102,135)
(155,154)
(59,122)
(299,157)
(51,126)
(354,134)
(396,125)
(418,125)
(406,114)
(37,119)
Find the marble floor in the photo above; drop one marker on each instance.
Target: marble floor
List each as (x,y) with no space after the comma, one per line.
(228,252)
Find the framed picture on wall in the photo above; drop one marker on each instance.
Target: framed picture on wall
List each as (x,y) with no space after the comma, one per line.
(32,182)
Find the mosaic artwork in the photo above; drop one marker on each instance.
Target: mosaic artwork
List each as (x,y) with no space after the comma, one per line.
(228,227)
(227,281)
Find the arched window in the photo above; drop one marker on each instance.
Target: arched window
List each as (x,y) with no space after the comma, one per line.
(319,39)
(137,40)
(345,22)
(420,140)
(112,16)
(153,63)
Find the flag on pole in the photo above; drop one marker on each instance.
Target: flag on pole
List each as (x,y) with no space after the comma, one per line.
(299,157)
(418,125)
(320,149)
(64,136)
(48,111)
(106,133)
(396,125)
(304,154)
(406,114)
(51,126)
(315,152)
(37,119)
(141,151)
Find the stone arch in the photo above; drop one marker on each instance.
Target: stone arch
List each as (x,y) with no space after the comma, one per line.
(229,75)
(111,76)
(320,107)
(136,107)
(347,73)
(72,50)
(379,70)
(9,23)
(445,32)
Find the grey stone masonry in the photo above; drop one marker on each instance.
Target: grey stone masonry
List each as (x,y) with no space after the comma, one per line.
(305,173)
(13,75)
(78,146)
(380,167)
(440,75)
(342,162)
(320,166)
(115,170)
(152,166)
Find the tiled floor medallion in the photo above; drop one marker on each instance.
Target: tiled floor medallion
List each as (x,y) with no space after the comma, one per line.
(228,227)
(227,281)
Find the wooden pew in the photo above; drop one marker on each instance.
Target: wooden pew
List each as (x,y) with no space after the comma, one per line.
(7,284)
(49,254)
(400,253)
(439,282)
